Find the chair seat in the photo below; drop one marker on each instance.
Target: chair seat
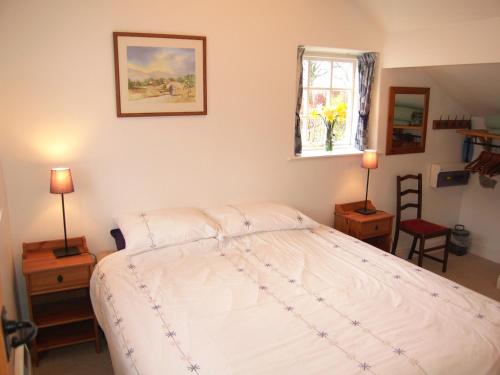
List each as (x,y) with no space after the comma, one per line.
(421,227)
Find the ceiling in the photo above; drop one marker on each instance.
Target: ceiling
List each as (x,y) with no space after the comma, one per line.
(475,87)
(408,15)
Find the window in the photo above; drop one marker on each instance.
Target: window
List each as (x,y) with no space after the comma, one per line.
(327,80)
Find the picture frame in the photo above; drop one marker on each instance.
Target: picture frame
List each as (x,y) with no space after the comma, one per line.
(160,74)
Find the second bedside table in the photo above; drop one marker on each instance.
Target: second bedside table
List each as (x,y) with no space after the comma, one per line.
(375,229)
(58,295)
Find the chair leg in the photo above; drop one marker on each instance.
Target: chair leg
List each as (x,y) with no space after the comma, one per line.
(395,242)
(413,246)
(446,249)
(421,248)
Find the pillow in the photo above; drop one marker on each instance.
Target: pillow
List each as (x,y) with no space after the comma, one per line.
(243,219)
(166,227)
(118,237)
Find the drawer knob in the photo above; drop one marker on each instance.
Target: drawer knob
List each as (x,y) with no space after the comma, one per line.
(376,227)
(60,278)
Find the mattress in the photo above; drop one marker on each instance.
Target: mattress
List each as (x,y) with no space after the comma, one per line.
(289,302)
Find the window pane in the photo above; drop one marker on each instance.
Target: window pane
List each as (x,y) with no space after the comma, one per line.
(338,97)
(304,107)
(319,73)
(305,70)
(315,133)
(317,98)
(326,82)
(342,74)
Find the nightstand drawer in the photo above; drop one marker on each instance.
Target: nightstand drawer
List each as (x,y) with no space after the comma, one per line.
(375,228)
(59,279)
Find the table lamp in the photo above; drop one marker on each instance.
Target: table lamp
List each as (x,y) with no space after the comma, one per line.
(62,183)
(370,161)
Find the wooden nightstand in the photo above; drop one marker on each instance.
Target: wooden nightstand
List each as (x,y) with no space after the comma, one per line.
(58,295)
(375,229)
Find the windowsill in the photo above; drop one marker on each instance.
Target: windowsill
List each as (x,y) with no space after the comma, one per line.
(340,151)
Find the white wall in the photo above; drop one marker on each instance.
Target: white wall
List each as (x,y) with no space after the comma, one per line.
(7,268)
(480,212)
(469,42)
(7,273)
(442,146)
(58,108)
(476,87)
(458,43)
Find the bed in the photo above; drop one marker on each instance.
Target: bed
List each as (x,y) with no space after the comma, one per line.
(303,299)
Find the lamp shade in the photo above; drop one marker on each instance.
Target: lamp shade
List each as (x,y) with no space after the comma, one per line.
(61,181)
(370,159)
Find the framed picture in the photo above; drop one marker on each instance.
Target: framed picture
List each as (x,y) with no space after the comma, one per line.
(160,74)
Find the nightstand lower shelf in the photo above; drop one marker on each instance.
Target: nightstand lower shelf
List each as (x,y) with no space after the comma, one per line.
(66,311)
(59,296)
(381,242)
(64,335)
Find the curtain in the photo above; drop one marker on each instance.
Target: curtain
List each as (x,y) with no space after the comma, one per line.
(366,70)
(298,137)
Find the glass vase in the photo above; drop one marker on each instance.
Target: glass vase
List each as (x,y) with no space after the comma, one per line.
(329,139)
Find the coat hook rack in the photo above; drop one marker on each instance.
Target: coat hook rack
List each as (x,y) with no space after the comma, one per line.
(455,123)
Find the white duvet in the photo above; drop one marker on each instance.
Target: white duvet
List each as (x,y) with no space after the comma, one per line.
(289,302)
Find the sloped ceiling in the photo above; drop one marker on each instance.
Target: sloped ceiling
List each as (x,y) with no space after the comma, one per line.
(475,87)
(408,15)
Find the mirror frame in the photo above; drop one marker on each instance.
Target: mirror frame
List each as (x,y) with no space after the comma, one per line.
(389,149)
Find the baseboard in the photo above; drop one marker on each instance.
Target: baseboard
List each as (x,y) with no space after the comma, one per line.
(487,253)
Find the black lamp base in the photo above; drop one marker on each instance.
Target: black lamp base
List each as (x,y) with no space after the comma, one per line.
(365,211)
(63,252)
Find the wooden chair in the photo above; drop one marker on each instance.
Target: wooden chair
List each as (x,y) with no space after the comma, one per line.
(418,228)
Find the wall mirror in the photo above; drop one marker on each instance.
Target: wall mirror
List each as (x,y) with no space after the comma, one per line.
(407,124)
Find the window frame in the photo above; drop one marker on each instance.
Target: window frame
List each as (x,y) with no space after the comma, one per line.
(347,143)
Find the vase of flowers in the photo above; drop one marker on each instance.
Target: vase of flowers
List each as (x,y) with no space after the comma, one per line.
(333,117)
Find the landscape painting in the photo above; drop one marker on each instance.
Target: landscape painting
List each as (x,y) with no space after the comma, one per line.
(160,75)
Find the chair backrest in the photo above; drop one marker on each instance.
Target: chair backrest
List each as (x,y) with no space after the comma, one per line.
(400,194)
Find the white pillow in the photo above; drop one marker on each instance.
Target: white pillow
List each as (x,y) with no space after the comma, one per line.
(237,220)
(159,228)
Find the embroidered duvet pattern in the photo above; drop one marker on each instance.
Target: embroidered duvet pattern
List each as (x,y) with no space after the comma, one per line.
(289,302)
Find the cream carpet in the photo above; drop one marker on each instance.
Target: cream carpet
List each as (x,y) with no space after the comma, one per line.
(78,359)
(470,270)
(474,272)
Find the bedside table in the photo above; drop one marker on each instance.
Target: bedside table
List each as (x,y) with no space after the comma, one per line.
(375,229)
(58,295)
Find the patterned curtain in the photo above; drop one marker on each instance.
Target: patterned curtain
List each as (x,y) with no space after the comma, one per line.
(366,69)
(298,137)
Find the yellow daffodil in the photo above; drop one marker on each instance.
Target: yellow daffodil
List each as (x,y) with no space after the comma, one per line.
(330,113)
(314,114)
(342,111)
(333,116)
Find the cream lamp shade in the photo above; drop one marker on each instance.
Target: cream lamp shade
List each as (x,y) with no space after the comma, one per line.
(370,159)
(61,181)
